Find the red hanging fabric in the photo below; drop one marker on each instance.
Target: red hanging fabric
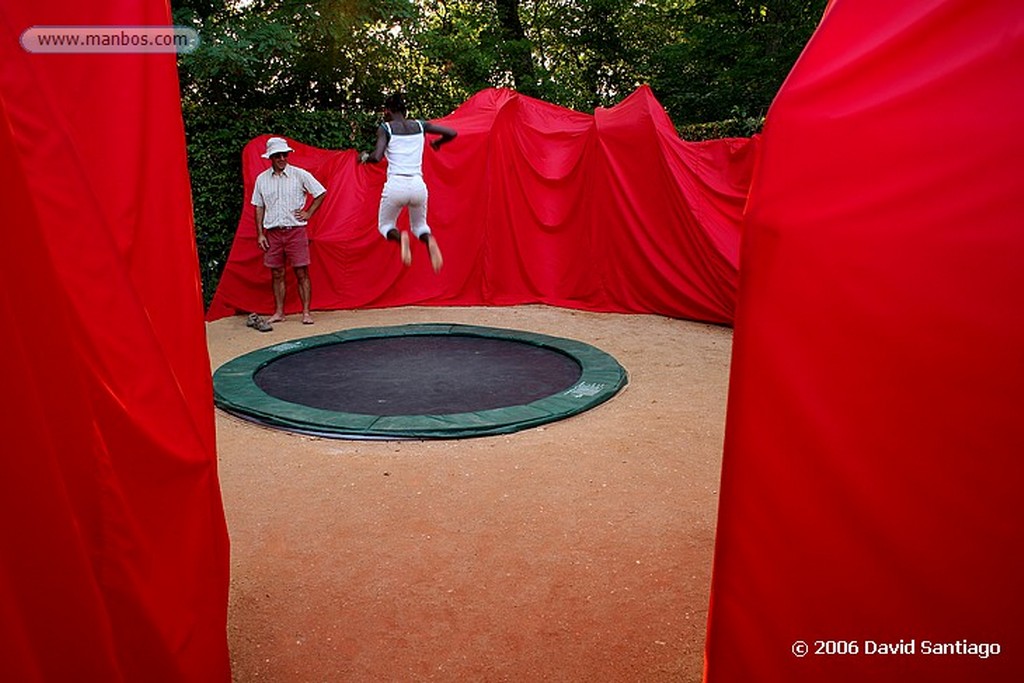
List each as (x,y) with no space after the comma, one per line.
(872,469)
(532,203)
(114,555)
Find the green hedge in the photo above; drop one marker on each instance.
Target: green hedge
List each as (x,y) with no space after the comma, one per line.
(730,128)
(216,137)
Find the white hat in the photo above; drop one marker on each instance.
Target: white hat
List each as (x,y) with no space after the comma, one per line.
(276,146)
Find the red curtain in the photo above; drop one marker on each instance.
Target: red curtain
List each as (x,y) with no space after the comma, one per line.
(873,466)
(113,546)
(532,203)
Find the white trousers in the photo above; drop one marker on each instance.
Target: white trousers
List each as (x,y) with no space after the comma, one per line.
(401,191)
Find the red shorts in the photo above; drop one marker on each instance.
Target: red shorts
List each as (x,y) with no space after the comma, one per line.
(287,245)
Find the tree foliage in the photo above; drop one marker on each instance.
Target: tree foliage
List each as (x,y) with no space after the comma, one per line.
(731,56)
(705,59)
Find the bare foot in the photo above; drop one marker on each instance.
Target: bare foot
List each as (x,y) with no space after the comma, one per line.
(307,319)
(435,254)
(276,318)
(406,250)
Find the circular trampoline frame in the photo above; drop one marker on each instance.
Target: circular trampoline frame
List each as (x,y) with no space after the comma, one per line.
(236,391)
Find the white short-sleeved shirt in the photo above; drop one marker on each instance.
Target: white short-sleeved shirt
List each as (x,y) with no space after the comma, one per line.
(282,194)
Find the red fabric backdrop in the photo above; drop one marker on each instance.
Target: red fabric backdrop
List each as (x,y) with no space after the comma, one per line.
(873,464)
(113,547)
(532,203)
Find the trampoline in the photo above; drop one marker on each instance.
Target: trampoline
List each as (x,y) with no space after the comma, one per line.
(424,381)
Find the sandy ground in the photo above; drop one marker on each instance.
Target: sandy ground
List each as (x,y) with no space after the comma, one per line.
(576,551)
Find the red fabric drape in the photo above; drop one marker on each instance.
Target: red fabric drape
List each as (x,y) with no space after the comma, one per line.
(873,464)
(532,203)
(113,546)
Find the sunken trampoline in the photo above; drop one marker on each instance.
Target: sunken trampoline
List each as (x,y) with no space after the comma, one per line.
(425,381)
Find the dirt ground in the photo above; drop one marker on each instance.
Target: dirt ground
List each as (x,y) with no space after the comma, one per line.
(576,551)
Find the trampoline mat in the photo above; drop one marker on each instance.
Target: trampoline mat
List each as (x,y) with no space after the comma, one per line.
(421,381)
(433,374)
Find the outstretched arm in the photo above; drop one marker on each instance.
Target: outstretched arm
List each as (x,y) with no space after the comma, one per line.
(447,134)
(378,152)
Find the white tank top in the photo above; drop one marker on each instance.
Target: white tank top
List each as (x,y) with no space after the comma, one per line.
(405,152)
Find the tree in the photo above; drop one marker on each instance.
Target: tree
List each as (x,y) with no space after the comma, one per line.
(731,56)
(516,48)
(291,53)
(706,59)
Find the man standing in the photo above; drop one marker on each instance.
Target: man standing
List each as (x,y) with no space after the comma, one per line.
(279,197)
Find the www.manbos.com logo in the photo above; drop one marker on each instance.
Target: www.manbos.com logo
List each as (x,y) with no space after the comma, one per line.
(109,39)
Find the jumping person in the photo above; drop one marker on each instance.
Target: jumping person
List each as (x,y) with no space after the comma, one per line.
(279,197)
(401,141)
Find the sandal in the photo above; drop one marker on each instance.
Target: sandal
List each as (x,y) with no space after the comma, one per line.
(257,323)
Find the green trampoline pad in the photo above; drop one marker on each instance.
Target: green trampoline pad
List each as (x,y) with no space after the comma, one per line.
(423,381)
